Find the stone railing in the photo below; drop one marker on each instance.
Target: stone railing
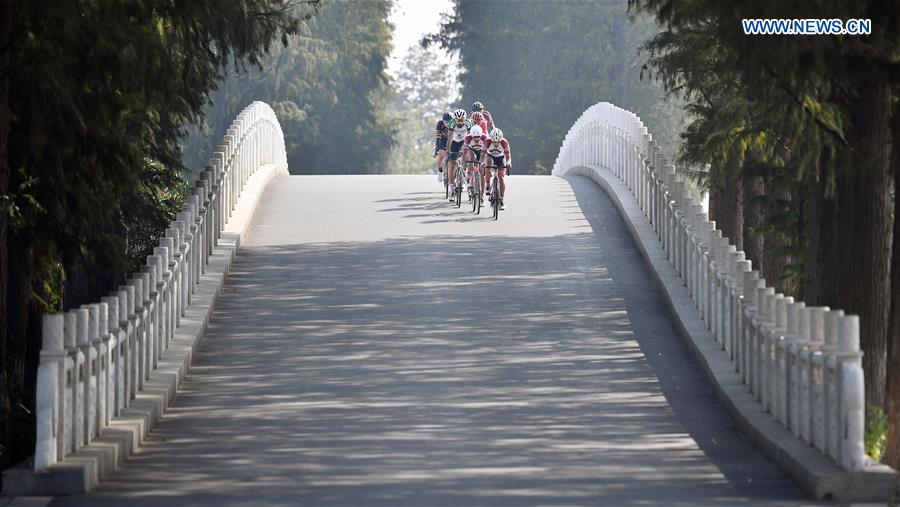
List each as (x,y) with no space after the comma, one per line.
(802,364)
(97,358)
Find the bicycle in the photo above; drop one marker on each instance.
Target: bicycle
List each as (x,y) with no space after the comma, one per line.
(495,199)
(458,184)
(476,191)
(451,157)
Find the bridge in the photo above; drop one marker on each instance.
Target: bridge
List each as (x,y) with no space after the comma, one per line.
(356,340)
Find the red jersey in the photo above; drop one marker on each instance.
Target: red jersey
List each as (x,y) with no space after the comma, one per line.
(488,119)
(497,149)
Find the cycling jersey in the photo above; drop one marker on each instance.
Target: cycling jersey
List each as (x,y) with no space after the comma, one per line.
(475,144)
(442,132)
(483,124)
(488,119)
(500,149)
(459,129)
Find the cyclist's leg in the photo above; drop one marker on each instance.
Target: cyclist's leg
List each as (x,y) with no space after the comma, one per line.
(495,162)
(454,155)
(451,173)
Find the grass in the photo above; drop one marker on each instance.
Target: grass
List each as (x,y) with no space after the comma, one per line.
(876,433)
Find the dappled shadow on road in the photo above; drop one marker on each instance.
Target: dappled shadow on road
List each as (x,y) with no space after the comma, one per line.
(446,370)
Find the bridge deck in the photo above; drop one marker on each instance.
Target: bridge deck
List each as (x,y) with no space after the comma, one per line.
(375,346)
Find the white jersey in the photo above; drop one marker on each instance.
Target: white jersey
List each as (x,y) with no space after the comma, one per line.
(459,130)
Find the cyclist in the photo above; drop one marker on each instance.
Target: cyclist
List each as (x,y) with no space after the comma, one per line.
(478,119)
(459,128)
(442,132)
(497,149)
(473,147)
(478,107)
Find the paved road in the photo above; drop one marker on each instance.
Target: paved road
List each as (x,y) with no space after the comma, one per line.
(376,346)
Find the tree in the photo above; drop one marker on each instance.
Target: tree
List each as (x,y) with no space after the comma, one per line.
(816,119)
(94,96)
(328,88)
(538,65)
(423,89)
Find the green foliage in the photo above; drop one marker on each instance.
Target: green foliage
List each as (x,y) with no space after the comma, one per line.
(538,65)
(777,108)
(876,433)
(99,93)
(149,207)
(98,90)
(327,87)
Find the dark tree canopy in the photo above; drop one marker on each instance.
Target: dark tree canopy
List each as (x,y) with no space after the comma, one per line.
(328,88)
(802,133)
(94,96)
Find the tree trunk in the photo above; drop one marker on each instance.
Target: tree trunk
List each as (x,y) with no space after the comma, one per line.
(863,228)
(5,125)
(23,346)
(820,217)
(754,242)
(775,261)
(892,395)
(726,204)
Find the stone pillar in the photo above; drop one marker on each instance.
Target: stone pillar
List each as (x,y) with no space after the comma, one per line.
(112,345)
(768,337)
(82,401)
(174,283)
(759,322)
(145,316)
(853,396)
(163,282)
(816,367)
(781,338)
(94,391)
(122,400)
(151,303)
(832,384)
(798,404)
(48,392)
(69,412)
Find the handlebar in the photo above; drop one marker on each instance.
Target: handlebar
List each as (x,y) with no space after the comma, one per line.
(504,166)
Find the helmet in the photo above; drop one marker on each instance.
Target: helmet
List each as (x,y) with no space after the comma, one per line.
(459,114)
(476,131)
(477,106)
(477,117)
(496,135)
(446,117)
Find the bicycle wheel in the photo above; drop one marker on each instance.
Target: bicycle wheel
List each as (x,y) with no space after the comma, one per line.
(474,187)
(476,204)
(459,190)
(446,183)
(495,197)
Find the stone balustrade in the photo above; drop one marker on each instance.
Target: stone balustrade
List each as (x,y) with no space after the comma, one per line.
(95,359)
(802,364)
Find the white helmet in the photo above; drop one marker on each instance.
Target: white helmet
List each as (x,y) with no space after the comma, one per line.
(476,131)
(459,114)
(496,135)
